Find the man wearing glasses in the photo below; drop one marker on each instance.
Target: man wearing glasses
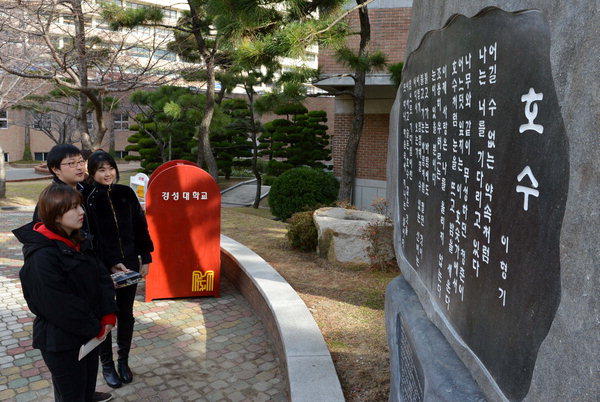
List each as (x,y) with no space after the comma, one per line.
(67,165)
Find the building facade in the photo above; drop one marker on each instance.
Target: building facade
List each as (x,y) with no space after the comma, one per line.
(133,53)
(390,21)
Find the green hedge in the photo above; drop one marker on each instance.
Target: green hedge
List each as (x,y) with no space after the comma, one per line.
(301,189)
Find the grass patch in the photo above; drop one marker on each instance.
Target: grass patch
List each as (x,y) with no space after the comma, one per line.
(260,212)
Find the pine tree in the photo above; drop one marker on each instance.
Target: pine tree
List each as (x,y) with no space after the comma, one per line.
(231,144)
(165,125)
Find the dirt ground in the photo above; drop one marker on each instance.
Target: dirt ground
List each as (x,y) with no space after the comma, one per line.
(347,305)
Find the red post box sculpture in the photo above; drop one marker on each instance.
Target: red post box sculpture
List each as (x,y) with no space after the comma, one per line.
(183,207)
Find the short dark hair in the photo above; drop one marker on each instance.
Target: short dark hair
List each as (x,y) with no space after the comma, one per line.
(58,153)
(96,160)
(54,201)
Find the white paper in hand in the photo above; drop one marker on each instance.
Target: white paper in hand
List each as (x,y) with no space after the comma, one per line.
(92,343)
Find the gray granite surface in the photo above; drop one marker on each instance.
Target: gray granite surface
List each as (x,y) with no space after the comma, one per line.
(568,362)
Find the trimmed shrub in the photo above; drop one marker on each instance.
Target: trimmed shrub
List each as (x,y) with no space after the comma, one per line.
(268,180)
(301,189)
(302,232)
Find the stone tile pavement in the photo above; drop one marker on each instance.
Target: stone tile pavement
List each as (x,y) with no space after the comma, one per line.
(202,349)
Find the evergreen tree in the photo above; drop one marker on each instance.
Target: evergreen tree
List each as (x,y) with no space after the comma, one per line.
(231,143)
(165,125)
(312,147)
(299,141)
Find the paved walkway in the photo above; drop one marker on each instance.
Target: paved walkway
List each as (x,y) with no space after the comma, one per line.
(201,349)
(243,194)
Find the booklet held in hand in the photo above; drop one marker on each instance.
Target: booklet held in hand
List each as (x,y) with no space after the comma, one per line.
(126,278)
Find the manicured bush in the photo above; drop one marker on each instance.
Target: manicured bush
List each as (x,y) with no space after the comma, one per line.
(302,232)
(268,180)
(301,189)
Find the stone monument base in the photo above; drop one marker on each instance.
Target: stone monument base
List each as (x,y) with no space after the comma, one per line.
(423,365)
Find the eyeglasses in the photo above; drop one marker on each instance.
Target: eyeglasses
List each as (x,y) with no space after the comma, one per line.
(73,164)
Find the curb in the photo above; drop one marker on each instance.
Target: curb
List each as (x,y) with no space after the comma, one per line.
(305,359)
(237,185)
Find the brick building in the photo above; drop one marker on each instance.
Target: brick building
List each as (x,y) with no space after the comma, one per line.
(390,21)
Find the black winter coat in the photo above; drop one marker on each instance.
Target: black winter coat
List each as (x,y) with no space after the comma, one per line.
(68,291)
(118,225)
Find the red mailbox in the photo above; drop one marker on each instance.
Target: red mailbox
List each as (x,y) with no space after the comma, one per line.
(167,165)
(183,207)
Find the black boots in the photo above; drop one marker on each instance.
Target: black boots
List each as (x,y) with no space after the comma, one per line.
(116,378)
(124,371)
(110,375)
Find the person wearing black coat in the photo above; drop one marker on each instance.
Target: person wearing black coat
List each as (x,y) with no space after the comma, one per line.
(69,291)
(121,237)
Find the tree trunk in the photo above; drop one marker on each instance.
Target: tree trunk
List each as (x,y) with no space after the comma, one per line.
(200,158)
(86,141)
(80,40)
(204,132)
(27,144)
(97,139)
(208,56)
(111,142)
(2,175)
(254,133)
(349,160)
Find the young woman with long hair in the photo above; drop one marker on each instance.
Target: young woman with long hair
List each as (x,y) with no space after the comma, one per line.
(119,226)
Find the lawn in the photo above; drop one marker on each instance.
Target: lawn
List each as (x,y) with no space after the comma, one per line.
(346,304)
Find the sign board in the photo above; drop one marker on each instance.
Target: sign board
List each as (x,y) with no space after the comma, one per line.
(139,184)
(482,183)
(183,206)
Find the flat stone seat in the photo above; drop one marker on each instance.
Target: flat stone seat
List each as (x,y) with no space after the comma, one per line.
(341,234)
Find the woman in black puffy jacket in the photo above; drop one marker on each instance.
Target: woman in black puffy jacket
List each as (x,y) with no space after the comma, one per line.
(121,237)
(68,289)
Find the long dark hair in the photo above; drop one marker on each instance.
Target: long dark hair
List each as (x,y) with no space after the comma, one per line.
(54,201)
(96,160)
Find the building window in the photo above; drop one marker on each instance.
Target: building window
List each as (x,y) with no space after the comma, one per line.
(6,157)
(139,52)
(135,5)
(42,121)
(170,14)
(121,121)
(3,118)
(68,19)
(164,55)
(40,156)
(121,154)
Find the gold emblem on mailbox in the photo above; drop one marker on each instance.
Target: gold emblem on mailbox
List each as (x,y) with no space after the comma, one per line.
(203,282)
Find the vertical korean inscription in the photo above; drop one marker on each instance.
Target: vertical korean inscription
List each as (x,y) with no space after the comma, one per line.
(481,139)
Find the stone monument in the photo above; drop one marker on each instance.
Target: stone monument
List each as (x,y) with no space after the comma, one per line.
(493,168)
